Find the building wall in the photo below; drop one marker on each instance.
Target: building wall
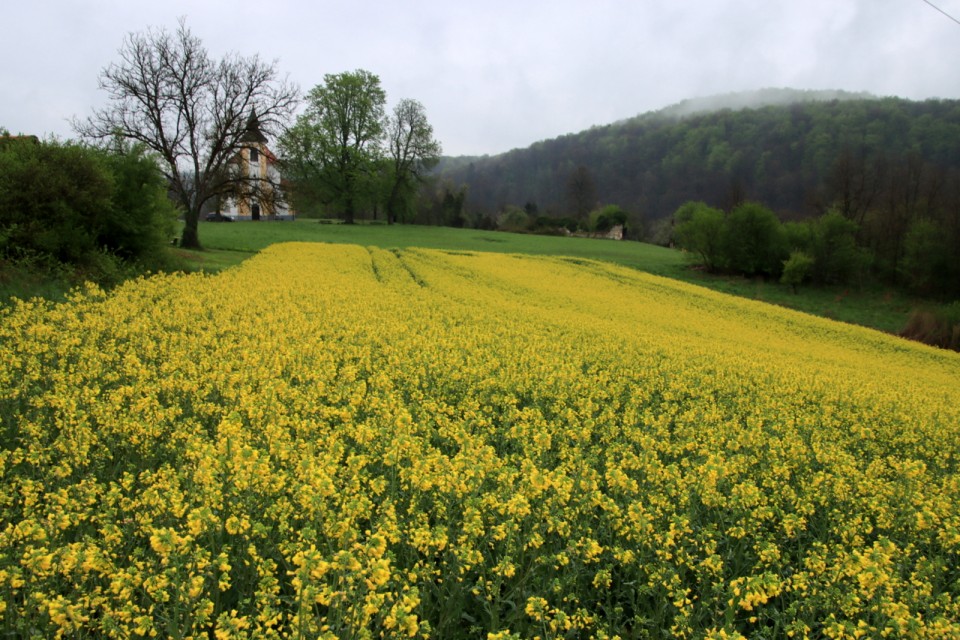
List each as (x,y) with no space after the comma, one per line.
(261,168)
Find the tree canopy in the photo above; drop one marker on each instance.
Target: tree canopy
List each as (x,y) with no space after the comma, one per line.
(66,203)
(797,158)
(413,151)
(167,93)
(333,149)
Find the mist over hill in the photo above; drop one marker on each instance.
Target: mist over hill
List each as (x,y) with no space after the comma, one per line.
(798,152)
(767,97)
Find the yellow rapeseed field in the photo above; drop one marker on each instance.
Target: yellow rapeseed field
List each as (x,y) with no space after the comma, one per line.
(344,442)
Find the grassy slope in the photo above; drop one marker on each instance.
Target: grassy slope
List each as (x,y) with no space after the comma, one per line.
(229,244)
(250,237)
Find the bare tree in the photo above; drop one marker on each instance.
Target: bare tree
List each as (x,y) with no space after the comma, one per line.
(194,113)
(413,151)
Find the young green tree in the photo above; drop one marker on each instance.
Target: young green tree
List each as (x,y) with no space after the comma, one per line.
(796,269)
(928,265)
(141,219)
(834,248)
(192,111)
(333,150)
(413,152)
(699,228)
(753,240)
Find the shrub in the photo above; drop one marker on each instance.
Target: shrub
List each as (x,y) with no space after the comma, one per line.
(796,269)
(549,224)
(753,241)
(699,229)
(53,199)
(71,203)
(606,218)
(513,219)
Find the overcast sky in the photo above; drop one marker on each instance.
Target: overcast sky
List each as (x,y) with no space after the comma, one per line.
(500,74)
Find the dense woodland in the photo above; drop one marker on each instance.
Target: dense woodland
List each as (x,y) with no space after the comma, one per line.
(880,174)
(800,156)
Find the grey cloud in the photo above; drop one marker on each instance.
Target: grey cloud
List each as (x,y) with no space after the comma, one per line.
(504,74)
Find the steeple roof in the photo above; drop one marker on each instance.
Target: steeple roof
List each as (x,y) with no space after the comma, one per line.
(253,133)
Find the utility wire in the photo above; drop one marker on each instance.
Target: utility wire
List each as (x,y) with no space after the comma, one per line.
(941,11)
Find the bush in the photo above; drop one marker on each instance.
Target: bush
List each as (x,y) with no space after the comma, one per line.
(699,229)
(548,224)
(513,219)
(753,241)
(606,218)
(72,204)
(796,269)
(53,199)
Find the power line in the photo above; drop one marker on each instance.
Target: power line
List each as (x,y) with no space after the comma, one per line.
(941,11)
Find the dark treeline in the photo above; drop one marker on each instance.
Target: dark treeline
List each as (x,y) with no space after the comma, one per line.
(798,159)
(831,249)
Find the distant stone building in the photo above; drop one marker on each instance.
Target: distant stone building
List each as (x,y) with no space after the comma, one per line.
(616,232)
(258,162)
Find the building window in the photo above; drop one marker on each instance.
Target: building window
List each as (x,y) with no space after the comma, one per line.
(254,155)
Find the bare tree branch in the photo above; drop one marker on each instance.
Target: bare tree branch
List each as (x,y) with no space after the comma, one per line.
(167,93)
(413,151)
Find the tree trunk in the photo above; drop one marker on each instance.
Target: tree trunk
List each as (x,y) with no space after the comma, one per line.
(190,238)
(392,203)
(348,211)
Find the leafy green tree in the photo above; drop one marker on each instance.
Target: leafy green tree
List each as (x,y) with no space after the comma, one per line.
(193,113)
(513,218)
(453,201)
(796,269)
(68,203)
(333,151)
(52,199)
(700,229)
(799,236)
(753,241)
(834,249)
(413,151)
(141,218)
(927,266)
(607,218)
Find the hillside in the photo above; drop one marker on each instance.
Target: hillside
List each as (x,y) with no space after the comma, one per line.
(795,151)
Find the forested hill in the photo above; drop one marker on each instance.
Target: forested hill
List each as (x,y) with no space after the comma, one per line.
(796,152)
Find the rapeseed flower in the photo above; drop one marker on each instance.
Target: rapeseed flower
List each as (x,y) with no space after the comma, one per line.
(431,444)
